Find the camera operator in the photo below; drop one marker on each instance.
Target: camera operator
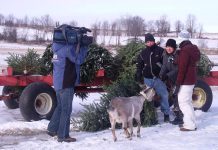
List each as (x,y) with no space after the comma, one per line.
(69,54)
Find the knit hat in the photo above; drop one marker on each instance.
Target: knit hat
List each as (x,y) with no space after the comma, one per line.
(171,43)
(184,35)
(149,37)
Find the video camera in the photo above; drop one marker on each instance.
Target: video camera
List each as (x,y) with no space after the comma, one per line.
(72,35)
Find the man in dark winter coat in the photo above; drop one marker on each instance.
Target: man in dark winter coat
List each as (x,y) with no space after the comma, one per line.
(187,75)
(66,64)
(168,74)
(148,66)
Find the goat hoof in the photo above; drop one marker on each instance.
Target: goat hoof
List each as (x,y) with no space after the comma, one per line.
(115,139)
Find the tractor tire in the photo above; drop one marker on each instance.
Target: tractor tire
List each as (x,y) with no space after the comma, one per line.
(11,103)
(202,96)
(37,101)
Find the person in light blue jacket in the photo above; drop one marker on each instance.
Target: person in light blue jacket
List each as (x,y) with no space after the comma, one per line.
(66,69)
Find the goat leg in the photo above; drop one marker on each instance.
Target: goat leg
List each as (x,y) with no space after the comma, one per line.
(131,127)
(127,133)
(113,123)
(139,125)
(125,129)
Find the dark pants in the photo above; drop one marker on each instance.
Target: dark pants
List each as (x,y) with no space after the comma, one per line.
(60,121)
(176,108)
(175,103)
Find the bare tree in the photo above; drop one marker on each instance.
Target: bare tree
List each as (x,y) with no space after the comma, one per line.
(10,34)
(200,31)
(105,29)
(118,31)
(47,24)
(151,26)
(125,24)
(163,26)
(113,28)
(178,27)
(9,21)
(2,19)
(18,23)
(26,21)
(133,25)
(24,34)
(35,22)
(39,36)
(137,26)
(95,30)
(191,24)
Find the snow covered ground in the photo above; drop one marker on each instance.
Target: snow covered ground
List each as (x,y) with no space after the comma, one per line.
(16,133)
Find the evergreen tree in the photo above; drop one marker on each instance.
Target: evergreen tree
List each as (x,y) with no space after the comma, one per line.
(204,66)
(47,56)
(28,63)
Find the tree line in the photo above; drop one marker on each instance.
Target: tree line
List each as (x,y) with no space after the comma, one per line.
(124,26)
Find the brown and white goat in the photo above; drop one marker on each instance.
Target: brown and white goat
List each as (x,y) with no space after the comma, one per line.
(124,109)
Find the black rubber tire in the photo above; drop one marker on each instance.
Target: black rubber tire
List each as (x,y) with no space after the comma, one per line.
(207,90)
(13,102)
(28,100)
(209,95)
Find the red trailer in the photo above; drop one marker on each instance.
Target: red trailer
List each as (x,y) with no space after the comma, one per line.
(35,96)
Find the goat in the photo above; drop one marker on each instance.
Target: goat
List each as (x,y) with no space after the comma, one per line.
(124,109)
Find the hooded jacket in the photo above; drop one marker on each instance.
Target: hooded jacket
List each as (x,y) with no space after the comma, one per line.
(169,66)
(188,57)
(149,62)
(66,65)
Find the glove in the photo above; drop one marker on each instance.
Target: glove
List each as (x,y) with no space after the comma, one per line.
(164,77)
(176,91)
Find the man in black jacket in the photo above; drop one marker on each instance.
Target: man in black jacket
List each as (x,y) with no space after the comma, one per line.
(168,73)
(148,65)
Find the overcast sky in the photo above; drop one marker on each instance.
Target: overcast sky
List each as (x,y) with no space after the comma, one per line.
(87,12)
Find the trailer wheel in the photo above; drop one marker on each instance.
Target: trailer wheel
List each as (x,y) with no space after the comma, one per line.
(37,101)
(11,103)
(202,96)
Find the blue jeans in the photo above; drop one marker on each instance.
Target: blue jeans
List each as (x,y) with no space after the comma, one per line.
(60,121)
(161,90)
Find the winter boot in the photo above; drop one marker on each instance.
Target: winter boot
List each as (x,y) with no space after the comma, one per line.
(166,118)
(178,118)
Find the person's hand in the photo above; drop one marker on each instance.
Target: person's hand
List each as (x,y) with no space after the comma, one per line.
(164,77)
(176,91)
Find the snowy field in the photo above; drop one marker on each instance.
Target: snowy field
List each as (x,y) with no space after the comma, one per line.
(17,134)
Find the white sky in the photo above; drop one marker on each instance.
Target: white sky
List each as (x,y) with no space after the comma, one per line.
(87,12)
